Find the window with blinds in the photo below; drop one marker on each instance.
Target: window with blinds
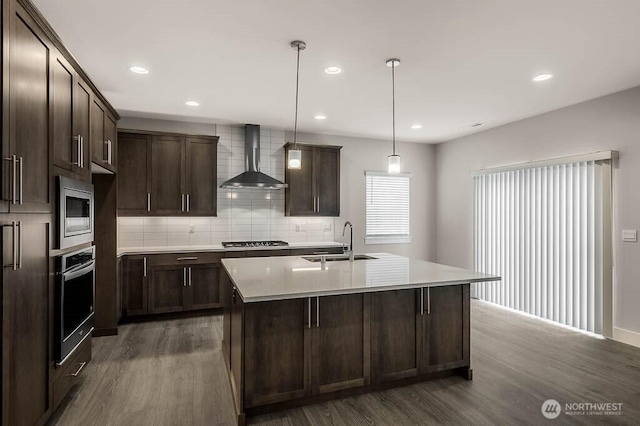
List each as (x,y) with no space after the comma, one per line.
(387,208)
(542,229)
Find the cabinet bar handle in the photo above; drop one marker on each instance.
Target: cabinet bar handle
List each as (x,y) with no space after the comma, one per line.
(187,258)
(78,140)
(318,210)
(189,276)
(317,312)
(20,164)
(188,202)
(184,277)
(14,252)
(148,201)
(14,180)
(20,229)
(429,301)
(309,322)
(79,370)
(144,266)
(82,152)
(109,152)
(422,301)
(182,201)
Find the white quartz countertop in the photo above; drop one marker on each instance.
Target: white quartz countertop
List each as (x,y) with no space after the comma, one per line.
(290,277)
(123,251)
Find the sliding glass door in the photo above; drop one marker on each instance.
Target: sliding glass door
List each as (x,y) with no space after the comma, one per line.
(544,230)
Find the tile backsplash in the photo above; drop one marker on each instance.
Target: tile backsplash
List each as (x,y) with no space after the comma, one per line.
(243,214)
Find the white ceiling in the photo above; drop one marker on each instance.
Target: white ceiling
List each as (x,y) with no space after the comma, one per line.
(463,61)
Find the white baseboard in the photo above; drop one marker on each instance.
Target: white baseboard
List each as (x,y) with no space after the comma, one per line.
(625,336)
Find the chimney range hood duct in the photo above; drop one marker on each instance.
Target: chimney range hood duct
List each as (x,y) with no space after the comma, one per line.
(252,178)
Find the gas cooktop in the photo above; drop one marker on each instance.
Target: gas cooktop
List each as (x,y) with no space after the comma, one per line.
(227,244)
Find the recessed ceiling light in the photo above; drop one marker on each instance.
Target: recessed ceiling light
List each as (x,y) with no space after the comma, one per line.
(543,77)
(320,117)
(333,70)
(417,126)
(139,70)
(192,103)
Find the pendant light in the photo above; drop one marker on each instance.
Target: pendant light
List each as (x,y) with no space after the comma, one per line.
(393,161)
(294,158)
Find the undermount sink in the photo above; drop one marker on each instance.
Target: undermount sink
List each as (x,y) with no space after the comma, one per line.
(337,257)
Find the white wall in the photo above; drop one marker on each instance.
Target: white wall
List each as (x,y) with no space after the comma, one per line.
(608,123)
(359,155)
(248,214)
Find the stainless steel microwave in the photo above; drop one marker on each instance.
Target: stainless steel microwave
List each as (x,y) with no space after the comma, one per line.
(75,212)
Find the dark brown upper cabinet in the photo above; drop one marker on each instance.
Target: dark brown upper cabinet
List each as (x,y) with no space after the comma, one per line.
(165,174)
(71,102)
(103,137)
(314,189)
(26,146)
(134,174)
(201,173)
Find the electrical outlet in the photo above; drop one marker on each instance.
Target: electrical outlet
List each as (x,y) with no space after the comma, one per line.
(192,229)
(327,226)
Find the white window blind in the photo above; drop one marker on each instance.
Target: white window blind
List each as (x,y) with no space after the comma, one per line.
(542,230)
(387,207)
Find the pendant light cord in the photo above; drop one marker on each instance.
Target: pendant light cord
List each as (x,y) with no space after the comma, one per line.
(393,95)
(295,126)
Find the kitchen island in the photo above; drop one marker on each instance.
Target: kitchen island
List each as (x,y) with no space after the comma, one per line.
(298,331)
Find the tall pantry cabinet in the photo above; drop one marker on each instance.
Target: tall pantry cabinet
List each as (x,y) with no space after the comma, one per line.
(45,124)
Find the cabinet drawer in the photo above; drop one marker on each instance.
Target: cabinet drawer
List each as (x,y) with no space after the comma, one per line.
(68,374)
(184,258)
(268,253)
(311,251)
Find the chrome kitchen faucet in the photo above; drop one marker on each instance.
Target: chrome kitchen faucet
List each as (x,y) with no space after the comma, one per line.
(344,229)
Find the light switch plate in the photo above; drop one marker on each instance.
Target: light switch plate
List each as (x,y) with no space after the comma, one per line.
(630,235)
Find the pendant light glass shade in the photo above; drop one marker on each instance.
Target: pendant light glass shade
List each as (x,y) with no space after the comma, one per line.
(294,159)
(393,165)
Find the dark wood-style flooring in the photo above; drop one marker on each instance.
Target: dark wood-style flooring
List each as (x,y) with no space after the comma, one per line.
(172,373)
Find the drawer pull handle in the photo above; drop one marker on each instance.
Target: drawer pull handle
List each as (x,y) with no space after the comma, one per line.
(187,258)
(321,252)
(79,370)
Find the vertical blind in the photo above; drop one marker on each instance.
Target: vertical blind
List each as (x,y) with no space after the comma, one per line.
(541,229)
(387,207)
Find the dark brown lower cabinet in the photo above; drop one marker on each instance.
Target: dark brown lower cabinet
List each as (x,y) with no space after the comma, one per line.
(340,343)
(302,347)
(167,289)
(204,286)
(277,351)
(396,328)
(293,352)
(134,286)
(446,329)
(176,288)
(26,292)
(68,374)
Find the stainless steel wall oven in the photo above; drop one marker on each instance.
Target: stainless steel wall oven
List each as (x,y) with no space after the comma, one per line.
(75,299)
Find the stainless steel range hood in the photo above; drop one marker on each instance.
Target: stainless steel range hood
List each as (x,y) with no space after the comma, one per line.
(253,177)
